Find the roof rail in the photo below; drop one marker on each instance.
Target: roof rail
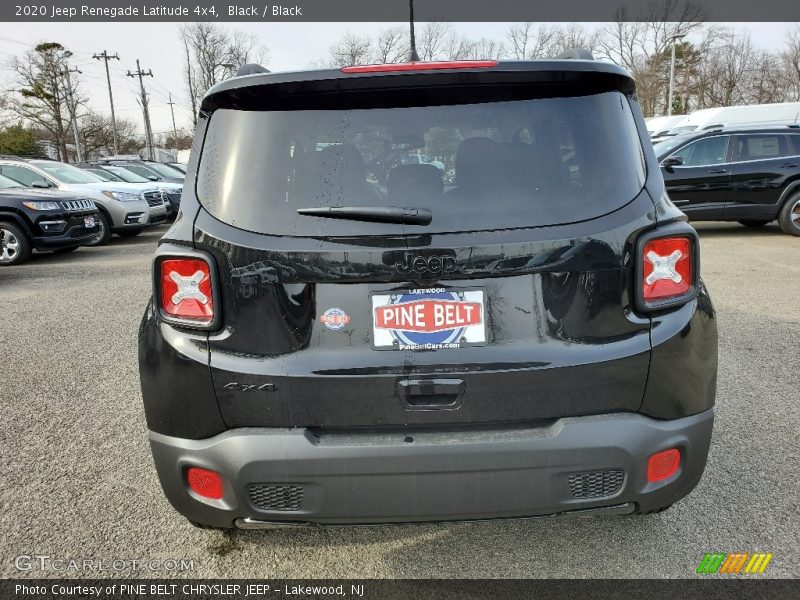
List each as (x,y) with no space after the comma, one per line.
(12,157)
(576,53)
(748,126)
(250,69)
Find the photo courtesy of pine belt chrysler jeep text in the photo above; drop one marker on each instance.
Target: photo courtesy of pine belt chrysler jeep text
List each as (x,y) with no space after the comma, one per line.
(344,332)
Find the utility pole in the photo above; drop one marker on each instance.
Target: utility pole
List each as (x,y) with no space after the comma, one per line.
(674,39)
(71,99)
(174,129)
(147,130)
(105,56)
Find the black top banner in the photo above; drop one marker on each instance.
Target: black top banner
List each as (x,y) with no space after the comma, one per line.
(397,10)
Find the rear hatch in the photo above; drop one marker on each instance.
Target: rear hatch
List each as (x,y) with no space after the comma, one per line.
(437,248)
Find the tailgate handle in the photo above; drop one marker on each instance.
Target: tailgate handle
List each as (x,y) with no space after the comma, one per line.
(431,394)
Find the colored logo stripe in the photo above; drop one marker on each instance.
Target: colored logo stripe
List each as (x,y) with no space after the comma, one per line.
(710,563)
(733,563)
(758,563)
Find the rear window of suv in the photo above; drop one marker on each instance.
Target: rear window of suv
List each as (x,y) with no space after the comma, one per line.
(494,165)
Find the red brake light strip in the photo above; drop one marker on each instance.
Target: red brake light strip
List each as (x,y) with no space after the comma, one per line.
(421,66)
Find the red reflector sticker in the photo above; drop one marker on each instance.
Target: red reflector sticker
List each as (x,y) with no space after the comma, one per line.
(666,268)
(186,289)
(205,483)
(663,465)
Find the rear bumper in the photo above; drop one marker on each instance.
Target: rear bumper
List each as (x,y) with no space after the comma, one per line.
(307,477)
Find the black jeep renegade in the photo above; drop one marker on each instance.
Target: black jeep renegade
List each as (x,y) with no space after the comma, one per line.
(506,319)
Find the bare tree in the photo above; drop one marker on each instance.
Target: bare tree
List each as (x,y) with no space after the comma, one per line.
(790,59)
(351,49)
(97,137)
(41,96)
(456,47)
(485,49)
(391,46)
(573,36)
(432,40)
(641,46)
(526,42)
(722,74)
(767,81)
(213,53)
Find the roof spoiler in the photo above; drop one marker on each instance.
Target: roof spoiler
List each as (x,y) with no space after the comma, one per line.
(391,87)
(576,53)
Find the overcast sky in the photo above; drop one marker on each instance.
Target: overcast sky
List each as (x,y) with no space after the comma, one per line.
(156,45)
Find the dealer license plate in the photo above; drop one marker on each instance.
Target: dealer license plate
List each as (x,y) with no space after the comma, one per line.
(428,319)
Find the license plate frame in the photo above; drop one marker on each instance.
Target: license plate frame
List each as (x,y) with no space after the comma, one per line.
(89,222)
(464,335)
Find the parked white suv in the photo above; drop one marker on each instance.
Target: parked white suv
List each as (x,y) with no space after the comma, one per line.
(125,209)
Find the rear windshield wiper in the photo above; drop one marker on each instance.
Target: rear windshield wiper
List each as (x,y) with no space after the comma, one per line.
(378,214)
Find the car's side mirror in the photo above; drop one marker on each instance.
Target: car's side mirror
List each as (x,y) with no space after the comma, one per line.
(152,178)
(672,161)
(41,184)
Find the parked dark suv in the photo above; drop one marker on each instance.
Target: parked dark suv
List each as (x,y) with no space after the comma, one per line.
(747,175)
(42,220)
(532,339)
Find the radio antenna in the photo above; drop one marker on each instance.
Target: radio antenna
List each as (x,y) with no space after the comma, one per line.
(414,56)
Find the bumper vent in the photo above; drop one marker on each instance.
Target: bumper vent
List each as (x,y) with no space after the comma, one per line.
(596,484)
(276,496)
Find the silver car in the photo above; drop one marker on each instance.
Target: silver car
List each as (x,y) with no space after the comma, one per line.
(125,209)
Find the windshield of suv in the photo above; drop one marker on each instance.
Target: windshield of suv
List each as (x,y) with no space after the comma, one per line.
(492,165)
(126,174)
(104,175)
(7,184)
(165,170)
(66,173)
(664,147)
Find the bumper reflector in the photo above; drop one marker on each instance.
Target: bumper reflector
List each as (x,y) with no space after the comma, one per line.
(663,465)
(205,483)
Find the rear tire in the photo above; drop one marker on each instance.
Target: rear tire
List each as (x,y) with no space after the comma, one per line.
(105,231)
(753,222)
(126,233)
(789,217)
(15,247)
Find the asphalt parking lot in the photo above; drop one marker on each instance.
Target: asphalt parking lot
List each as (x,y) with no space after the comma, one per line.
(78,480)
